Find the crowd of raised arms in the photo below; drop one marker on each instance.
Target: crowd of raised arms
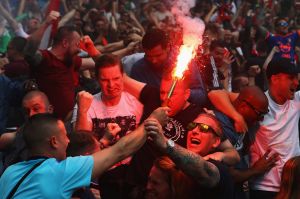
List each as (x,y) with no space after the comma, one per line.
(90,107)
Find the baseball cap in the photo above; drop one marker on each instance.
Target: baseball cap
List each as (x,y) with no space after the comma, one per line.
(281,65)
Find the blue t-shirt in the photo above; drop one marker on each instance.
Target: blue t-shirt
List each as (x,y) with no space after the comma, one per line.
(52,179)
(286,44)
(236,139)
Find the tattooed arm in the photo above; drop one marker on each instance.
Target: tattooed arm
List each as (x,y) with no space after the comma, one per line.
(203,172)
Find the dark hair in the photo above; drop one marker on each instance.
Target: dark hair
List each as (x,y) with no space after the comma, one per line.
(18,43)
(155,37)
(105,61)
(63,32)
(215,44)
(81,143)
(38,128)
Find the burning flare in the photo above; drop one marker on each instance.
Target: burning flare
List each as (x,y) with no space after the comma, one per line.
(186,53)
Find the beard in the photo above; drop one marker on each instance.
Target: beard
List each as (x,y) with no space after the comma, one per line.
(68,60)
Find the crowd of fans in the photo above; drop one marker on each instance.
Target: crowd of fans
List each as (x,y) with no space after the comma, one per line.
(86,109)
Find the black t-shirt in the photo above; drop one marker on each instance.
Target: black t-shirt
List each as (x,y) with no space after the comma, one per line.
(142,161)
(175,129)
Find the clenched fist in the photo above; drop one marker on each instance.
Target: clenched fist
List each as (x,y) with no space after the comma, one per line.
(53,15)
(84,101)
(87,45)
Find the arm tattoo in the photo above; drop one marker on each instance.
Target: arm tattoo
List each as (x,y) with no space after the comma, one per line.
(193,165)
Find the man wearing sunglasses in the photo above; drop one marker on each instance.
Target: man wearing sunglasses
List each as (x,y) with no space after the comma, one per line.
(283,39)
(278,131)
(248,107)
(211,177)
(181,111)
(181,114)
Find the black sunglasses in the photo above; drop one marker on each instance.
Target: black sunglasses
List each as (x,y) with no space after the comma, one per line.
(204,128)
(260,114)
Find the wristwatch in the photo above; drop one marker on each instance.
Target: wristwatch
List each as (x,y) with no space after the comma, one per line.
(170,144)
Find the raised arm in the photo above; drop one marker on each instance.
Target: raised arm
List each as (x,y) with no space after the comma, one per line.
(136,22)
(133,86)
(125,146)
(222,100)
(210,13)
(88,46)
(12,22)
(34,40)
(67,17)
(274,50)
(21,7)
(203,172)
(84,101)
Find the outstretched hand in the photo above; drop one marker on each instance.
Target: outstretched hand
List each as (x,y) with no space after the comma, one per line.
(265,163)
(161,115)
(155,132)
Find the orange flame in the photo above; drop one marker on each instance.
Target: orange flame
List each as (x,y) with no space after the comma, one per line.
(186,53)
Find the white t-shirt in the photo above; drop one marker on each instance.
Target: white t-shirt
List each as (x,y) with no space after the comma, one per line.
(279,132)
(128,106)
(127,114)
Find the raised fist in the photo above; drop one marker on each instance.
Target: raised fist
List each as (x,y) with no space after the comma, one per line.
(87,45)
(84,101)
(53,15)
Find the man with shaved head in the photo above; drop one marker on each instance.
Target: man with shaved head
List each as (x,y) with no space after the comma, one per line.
(251,104)
(47,141)
(34,102)
(278,132)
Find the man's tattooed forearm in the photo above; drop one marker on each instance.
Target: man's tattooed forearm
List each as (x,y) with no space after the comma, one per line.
(192,164)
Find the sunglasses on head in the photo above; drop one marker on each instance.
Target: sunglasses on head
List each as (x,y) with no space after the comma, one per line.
(260,114)
(204,128)
(283,23)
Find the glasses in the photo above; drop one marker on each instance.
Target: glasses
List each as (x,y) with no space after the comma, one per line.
(260,114)
(204,128)
(283,23)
